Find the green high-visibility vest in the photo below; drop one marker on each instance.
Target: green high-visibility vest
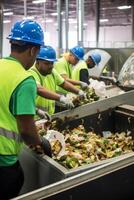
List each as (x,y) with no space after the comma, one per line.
(63,67)
(12,74)
(49,82)
(37,75)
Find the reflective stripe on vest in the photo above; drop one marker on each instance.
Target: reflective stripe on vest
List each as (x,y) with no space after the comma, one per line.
(10,135)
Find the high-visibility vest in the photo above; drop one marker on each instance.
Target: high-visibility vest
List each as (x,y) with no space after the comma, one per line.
(37,75)
(50,82)
(46,82)
(12,74)
(63,67)
(47,105)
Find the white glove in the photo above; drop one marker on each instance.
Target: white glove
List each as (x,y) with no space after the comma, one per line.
(83,85)
(42,114)
(68,102)
(114,79)
(82,94)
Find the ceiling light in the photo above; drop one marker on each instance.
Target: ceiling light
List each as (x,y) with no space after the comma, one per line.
(104,20)
(5,10)
(124,7)
(8,13)
(39,1)
(6,21)
(55,14)
(48,20)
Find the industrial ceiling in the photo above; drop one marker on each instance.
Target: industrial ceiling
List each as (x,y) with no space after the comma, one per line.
(47,11)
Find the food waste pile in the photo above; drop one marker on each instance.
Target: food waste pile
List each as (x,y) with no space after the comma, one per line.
(90,96)
(83,147)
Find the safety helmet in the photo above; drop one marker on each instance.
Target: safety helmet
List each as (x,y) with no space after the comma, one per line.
(78,52)
(96,57)
(47,53)
(27,31)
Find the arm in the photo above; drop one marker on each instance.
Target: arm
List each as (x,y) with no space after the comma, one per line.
(74,82)
(25,95)
(22,106)
(82,84)
(43,92)
(27,129)
(54,96)
(70,87)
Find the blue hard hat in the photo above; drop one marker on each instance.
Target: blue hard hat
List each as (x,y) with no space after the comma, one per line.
(78,52)
(27,31)
(96,57)
(47,53)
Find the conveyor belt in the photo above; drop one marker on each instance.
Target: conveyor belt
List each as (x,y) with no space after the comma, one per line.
(96,107)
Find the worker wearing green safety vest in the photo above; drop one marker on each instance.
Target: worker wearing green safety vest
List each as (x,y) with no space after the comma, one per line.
(49,78)
(17,104)
(50,82)
(47,102)
(80,71)
(64,66)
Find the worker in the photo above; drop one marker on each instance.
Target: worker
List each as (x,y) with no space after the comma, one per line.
(17,105)
(64,67)
(80,71)
(47,77)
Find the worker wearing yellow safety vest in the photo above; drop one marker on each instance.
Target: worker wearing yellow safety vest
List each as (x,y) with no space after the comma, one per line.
(17,105)
(49,78)
(80,71)
(65,66)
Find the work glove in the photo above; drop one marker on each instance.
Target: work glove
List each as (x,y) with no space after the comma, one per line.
(68,102)
(114,80)
(82,94)
(46,146)
(83,85)
(42,114)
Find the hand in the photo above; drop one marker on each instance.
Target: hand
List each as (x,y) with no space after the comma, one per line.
(82,94)
(83,85)
(42,114)
(45,144)
(114,79)
(68,103)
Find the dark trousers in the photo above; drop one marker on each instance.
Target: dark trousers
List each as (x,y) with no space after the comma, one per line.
(11,181)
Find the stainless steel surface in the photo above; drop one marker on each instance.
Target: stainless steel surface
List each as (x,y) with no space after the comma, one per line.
(96,107)
(46,173)
(113,90)
(38,172)
(79,179)
(80,21)
(116,120)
